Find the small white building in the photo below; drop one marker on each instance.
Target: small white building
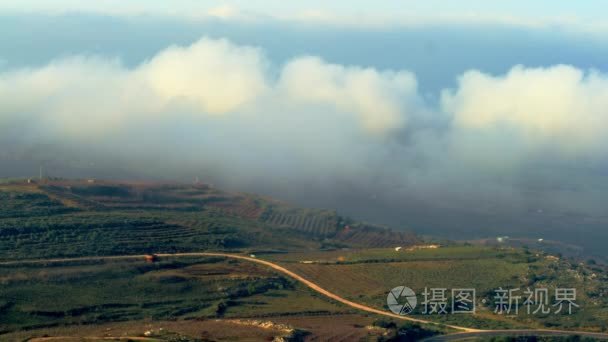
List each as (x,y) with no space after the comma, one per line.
(502,239)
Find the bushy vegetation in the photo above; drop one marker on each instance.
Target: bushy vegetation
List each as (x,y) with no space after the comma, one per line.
(367,275)
(28,204)
(71,218)
(406,332)
(328,225)
(315,222)
(109,234)
(102,292)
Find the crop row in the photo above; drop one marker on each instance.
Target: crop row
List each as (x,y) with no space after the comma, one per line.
(78,235)
(317,224)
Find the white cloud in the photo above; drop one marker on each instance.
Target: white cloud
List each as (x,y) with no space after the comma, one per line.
(379,99)
(217,106)
(83,96)
(228,12)
(559,106)
(560,109)
(78,95)
(215,74)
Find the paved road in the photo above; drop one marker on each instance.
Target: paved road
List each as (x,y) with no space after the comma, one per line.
(464,331)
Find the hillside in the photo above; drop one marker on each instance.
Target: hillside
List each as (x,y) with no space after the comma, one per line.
(75,218)
(366,276)
(190,297)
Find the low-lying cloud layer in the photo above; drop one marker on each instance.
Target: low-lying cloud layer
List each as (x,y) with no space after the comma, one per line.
(86,95)
(561,106)
(224,111)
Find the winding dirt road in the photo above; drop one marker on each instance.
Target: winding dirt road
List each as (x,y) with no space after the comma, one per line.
(259,261)
(464,332)
(322,290)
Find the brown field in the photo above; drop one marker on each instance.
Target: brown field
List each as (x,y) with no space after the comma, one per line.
(349,327)
(220,330)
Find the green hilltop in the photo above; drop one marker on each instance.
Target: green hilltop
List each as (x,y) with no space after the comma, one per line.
(83,218)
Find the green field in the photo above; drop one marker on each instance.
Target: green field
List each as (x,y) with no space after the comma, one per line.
(367,275)
(97,292)
(355,260)
(70,218)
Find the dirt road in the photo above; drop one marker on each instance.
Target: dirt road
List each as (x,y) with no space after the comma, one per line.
(322,290)
(464,331)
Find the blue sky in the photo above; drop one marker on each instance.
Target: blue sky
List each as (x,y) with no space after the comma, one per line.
(584,9)
(572,12)
(438,40)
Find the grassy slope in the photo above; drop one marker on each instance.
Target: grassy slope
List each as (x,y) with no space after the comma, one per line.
(39,296)
(75,219)
(70,218)
(367,275)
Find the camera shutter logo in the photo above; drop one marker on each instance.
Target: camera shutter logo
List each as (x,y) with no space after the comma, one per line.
(401,300)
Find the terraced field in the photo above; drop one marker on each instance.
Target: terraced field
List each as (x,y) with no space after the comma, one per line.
(328,224)
(352,259)
(72,218)
(242,206)
(29,203)
(87,292)
(374,236)
(314,222)
(107,234)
